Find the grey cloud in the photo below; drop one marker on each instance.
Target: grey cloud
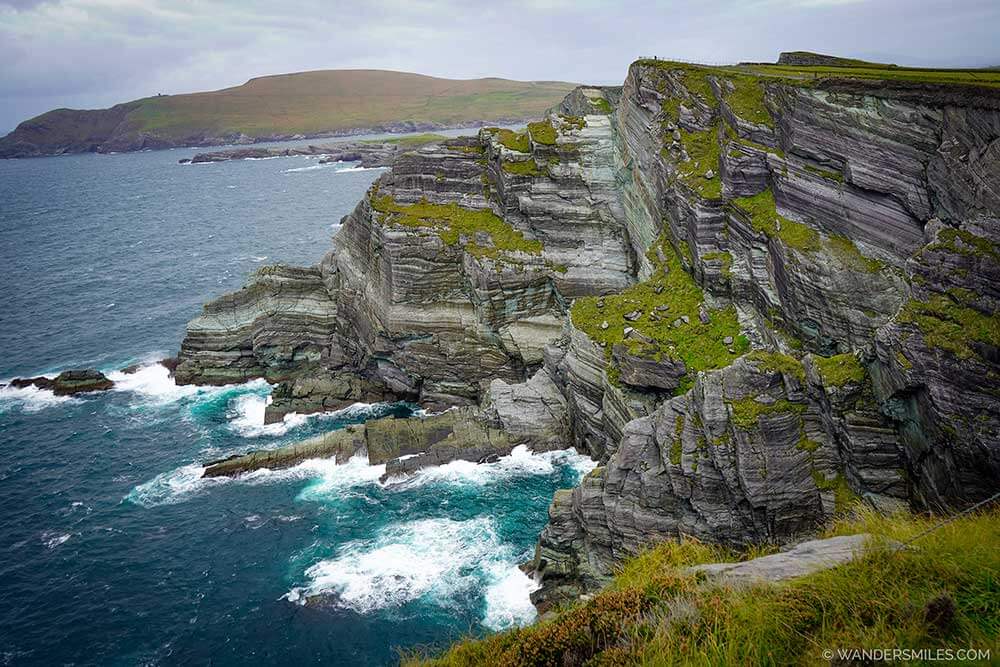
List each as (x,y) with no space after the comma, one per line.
(93,52)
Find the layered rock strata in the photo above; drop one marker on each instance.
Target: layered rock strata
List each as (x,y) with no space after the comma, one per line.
(753,293)
(454,271)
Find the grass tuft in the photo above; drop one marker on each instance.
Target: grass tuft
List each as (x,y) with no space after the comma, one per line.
(656,613)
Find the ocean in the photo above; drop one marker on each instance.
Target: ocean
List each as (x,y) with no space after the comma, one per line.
(113,550)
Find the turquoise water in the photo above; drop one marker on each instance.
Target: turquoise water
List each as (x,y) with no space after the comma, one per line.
(113,551)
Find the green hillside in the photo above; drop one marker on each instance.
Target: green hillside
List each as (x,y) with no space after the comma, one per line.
(306,103)
(311,102)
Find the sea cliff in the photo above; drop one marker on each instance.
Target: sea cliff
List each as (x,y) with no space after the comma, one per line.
(752,293)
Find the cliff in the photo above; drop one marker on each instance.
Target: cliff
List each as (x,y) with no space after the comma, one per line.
(753,293)
(283,107)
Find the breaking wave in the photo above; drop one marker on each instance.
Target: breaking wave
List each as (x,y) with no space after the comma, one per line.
(521,462)
(31,399)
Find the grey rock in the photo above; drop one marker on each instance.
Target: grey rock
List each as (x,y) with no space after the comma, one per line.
(801,560)
(68,383)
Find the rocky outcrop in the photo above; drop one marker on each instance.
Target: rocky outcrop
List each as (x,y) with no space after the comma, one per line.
(282,320)
(368,153)
(799,561)
(68,383)
(454,271)
(404,445)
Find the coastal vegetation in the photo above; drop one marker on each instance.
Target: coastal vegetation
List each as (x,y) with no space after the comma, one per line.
(939,592)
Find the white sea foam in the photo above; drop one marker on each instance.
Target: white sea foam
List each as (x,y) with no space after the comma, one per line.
(333,479)
(508,597)
(186,482)
(153,384)
(346,169)
(521,462)
(246,414)
(172,487)
(31,399)
(404,562)
(52,539)
(313,167)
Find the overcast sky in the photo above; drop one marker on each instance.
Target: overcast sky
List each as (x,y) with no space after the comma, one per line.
(94,53)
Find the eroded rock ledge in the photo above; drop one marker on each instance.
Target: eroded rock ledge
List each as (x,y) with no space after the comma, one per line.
(752,294)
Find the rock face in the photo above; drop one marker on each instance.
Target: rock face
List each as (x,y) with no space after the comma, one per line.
(68,383)
(424,299)
(838,226)
(751,298)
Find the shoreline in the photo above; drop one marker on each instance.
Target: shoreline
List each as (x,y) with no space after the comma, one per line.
(236,141)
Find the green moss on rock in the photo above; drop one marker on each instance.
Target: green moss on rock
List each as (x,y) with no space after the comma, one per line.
(845,250)
(572,122)
(704,150)
(452,223)
(542,132)
(807,445)
(724,258)
(825,173)
(776,362)
(668,296)
(515,141)
(747,100)
(748,411)
(840,370)
(764,218)
(951,326)
(522,168)
(964,242)
(602,106)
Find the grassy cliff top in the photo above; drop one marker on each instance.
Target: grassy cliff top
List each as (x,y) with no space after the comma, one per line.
(842,68)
